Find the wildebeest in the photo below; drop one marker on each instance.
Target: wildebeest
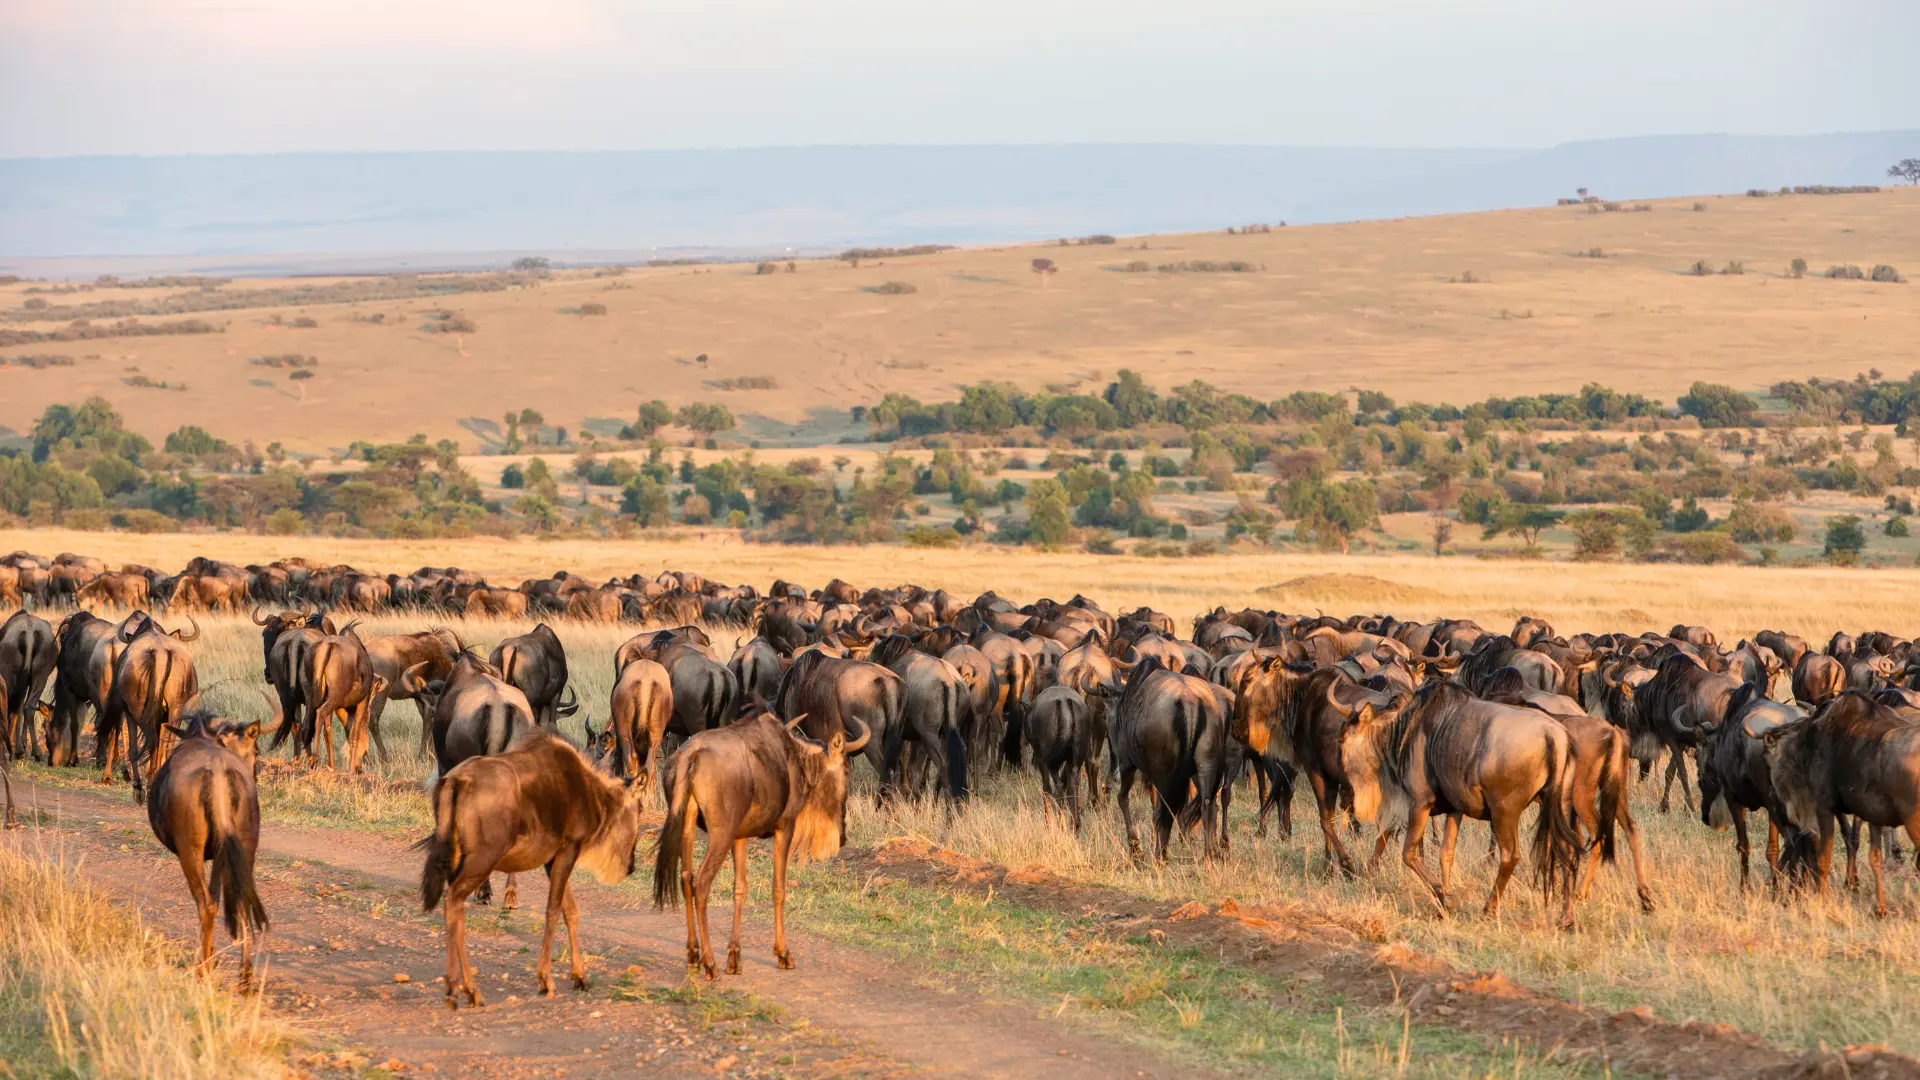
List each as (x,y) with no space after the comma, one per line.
(1818,679)
(392,655)
(1680,697)
(1447,752)
(1060,735)
(538,803)
(835,694)
(339,683)
(153,683)
(704,690)
(1733,771)
(536,662)
(1853,757)
(475,712)
(28,652)
(751,779)
(756,669)
(640,708)
(935,707)
(1170,728)
(205,809)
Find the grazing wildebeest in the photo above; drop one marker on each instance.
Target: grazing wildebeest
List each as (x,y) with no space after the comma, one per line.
(1680,697)
(153,683)
(537,664)
(935,708)
(1733,771)
(1788,647)
(538,803)
(489,602)
(749,780)
(205,809)
(1060,734)
(88,646)
(1170,728)
(835,693)
(638,713)
(1853,757)
(28,653)
(756,670)
(1448,752)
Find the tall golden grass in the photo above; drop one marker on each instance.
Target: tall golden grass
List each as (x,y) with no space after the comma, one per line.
(89,990)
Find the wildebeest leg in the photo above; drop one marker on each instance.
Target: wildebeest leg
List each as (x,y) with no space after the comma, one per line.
(739,903)
(702,885)
(459,970)
(1413,848)
(1586,816)
(426,728)
(1336,851)
(190,865)
(1823,853)
(576,960)
(1221,803)
(1163,826)
(1632,829)
(1850,831)
(1506,833)
(557,873)
(1070,782)
(1449,841)
(1876,852)
(1773,851)
(782,848)
(1126,813)
(1740,842)
(1260,793)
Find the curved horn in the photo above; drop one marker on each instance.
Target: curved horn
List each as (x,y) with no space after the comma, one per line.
(254,614)
(569,703)
(273,703)
(866,733)
(195,623)
(414,679)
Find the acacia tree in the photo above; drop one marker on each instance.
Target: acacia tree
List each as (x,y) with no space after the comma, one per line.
(1046,269)
(704,418)
(1907,169)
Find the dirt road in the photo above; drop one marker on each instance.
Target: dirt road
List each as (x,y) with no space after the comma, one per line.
(353,960)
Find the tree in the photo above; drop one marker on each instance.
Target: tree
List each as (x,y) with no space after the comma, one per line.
(1845,540)
(513,477)
(1717,406)
(532,264)
(1442,535)
(653,416)
(512,444)
(1895,527)
(1907,169)
(1596,534)
(1331,514)
(531,419)
(1373,401)
(1046,269)
(1522,520)
(1048,512)
(704,418)
(1134,402)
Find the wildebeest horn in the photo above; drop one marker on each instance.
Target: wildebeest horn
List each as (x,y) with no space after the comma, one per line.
(569,705)
(865,734)
(795,722)
(414,678)
(254,614)
(195,623)
(273,703)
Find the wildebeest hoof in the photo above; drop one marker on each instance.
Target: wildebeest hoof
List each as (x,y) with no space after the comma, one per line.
(580,982)
(546,986)
(1646,903)
(785,960)
(733,961)
(710,972)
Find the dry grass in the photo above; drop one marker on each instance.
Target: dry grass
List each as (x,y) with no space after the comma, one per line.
(87,990)
(1363,303)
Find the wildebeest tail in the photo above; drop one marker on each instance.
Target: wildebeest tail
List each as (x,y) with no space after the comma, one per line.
(150,709)
(957,700)
(443,847)
(231,878)
(1555,843)
(1613,796)
(676,835)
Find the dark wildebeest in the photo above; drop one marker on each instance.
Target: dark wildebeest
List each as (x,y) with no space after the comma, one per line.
(285,640)
(1853,757)
(205,809)
(153,683)
(935,708)
(6,752)
(1013,667)
(1733,771)
(1097,676)
(1295,713)
(88,646)
(1060,733)
(1171,729)
(1448,752)
(1680,697)
(834,694)
(1818,679)
(28,652)
(639,711)
(749,780)
(537,664)
(537,804)
(1598,786)
(756,670)
(340,684)
(1788,647)
(1752,662)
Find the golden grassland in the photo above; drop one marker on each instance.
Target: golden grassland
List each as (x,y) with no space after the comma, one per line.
(87,990)
(1576,597)
(1378,304)
(1799,971)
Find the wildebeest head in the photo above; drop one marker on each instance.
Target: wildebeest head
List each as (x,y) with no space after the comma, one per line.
(822,822)
(1369,750)
(239,737)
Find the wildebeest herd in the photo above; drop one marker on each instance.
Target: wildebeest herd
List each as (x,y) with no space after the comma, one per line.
(1411,726)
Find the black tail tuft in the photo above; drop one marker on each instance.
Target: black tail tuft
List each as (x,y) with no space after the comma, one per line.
(668,856)
(957,764)
(233,888)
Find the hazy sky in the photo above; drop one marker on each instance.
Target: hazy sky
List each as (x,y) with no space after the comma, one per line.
(209,76)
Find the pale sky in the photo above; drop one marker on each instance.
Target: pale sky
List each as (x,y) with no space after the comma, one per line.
(224,76)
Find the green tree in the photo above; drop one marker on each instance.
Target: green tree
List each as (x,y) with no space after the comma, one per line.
(1523,520)
(1596,534)
(647,501)
(1895,527)
(1048,512)
(984,409)
(653,415)
(1134,402)
(1330,515)
(1845,540)
(1373,401)
(1717,406)
(704,418)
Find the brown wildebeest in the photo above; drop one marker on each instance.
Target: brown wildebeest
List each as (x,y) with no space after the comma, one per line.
(834,694)
(6,752)
(536,662)
(1060,734)
(1788,647)
(638,713)
(153,683)
(1853,757)
(539,803)
(204,808)
(491,602)
(1598,785)
(83,676)
(1733,771)
(1680,697)
(749,780)
(934,709)
(704,690)
(28,653)
(1172,729)
(1448,752)
(285,640)
(1818,679)
(1527,629)
(340,684)
(392,655)
(116,589)
(756,668)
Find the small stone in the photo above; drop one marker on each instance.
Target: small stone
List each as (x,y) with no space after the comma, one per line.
(401,977)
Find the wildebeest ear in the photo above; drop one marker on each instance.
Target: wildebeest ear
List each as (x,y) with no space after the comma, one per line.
(1362,716)
(180,732)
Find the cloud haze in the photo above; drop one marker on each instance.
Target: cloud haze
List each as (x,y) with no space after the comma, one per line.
(174,76)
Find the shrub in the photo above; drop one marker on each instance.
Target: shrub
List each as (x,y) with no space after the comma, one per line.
(35,303)
(1846,273)
(1797,268)
(305,322)
(1137,266)
(1886,274)
(895,288)
(930,536)
(1706,548)
(1845,540)
(145,521)
(1717,406)
(1699,208)
(1734,268)
(1700,268)
(593,307)
(285,522)
(1895,527)
(766,268)
(513,477)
